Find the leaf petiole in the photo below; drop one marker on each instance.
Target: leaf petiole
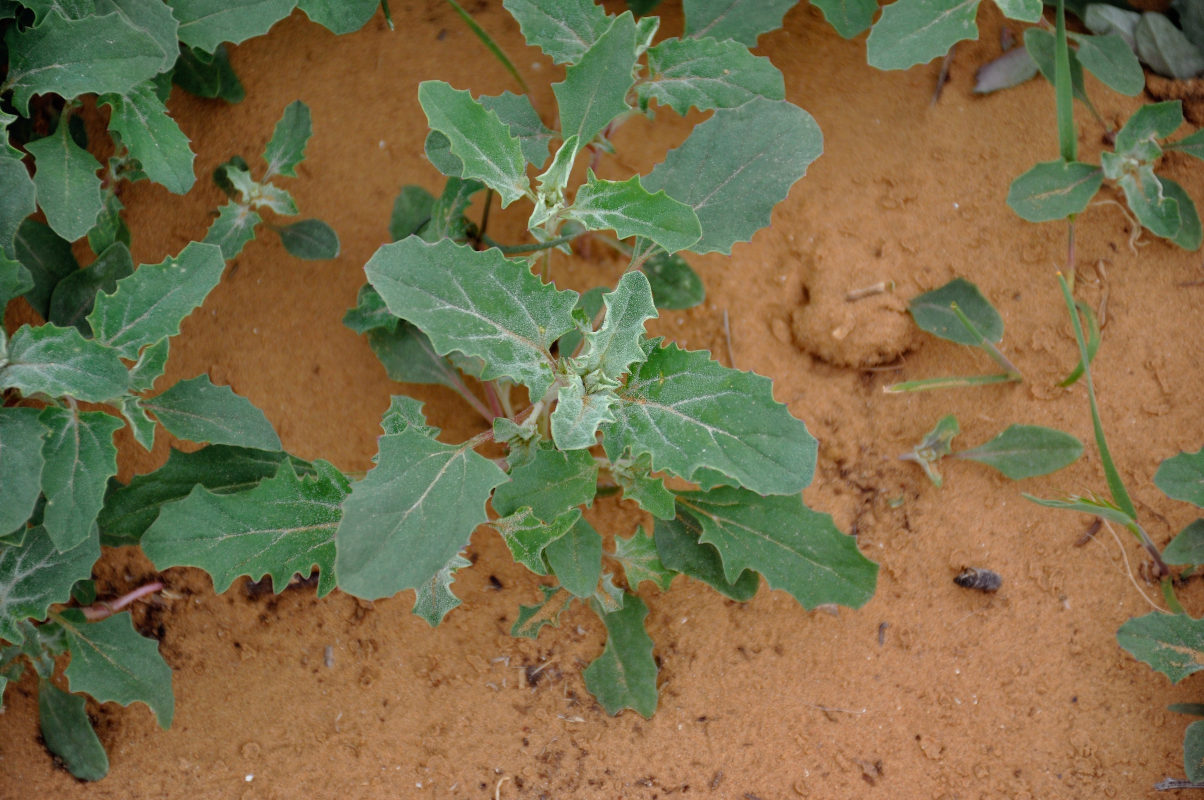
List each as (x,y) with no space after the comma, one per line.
(1013,374)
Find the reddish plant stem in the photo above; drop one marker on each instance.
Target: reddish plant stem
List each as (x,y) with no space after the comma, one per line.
(101,610)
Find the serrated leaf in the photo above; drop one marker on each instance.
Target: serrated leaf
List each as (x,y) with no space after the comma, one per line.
(551,484)
(624,676)
(75,295)
(679,549)
(141,120)
(208,23)
(68,732)
(709,74)
(413,511)
(140,423)
(340,16)
(527,535)
(1054,190)
(67,184)
(18,199)
(110,228)
(435,599)
(563,29)
(311,239)
(34,575)
(733,168)
(579,413)
(113,663)
(693,414)
(1022,10)
(848,17)
(1190,234)
(477,303)
(1111,60)
(616,345)
(478,138)
(675,285)
(634,478)
(197,410)
(100,54)
(1188,545)
(629,209)
(152,17)
(742,20)
(130,509)
(80,457)
(531,619)
(282,526)
(1172,644)
(1105,19)
(932,311)
(1023,451)
(594,89)
(208,74)
(914,32)
(71,9)
(640,561)
(286,149)
(149,305)
(525,125)
(59,361)
(20,466)
(798,550)
(576,558)
(405,412)
(411,210)
(150,366)
(44,253)
(437,149)
(1181,477)
(233,228)
(1165,49)
(1011,69)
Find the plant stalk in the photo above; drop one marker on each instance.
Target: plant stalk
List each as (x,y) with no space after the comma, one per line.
(103,609)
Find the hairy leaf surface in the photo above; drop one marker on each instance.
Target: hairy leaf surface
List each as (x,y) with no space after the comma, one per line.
(67,184)
(629,209)
(552,483)
(68,732)
(594,90)
(1054,190)
(59,361)
(435,599)
(340,16)
(913,32)
(708,74)
(637,553)
(207,23)
(1023,451)
(20,465)
(80,457)
(679,548)
(624,676)
(576,558)
(197,410)
(286,149)
(742,20)
(563,29)
(140,118)
(1172,644)
(34,575)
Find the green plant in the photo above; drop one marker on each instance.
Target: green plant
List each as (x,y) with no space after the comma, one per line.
(1019,451)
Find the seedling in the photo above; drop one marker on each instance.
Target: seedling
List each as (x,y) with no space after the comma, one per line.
(1020,451)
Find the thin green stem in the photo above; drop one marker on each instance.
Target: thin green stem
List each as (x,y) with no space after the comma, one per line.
(1168,594)
(954,382)
(487,40)
(519,249)
(384,6)
(986,344)
(1063,88)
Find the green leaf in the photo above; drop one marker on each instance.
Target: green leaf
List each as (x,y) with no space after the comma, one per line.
(34,575)
(478,303)
(693,414)
(1190,234)
(435,599)
(795,548)
(1152,206)
(563,29)
(525,125)
(197,410)
(208,74)
(152,17)
(635,479)
(848,17)
(282,526)
(447,214)
(150,366)
(100,54)
(531,619)
(71,9)
(1111,60)
(1172,644)
(594,90)
(576,558)
(130,509)
(478,138)
(80,458)
(153,137)
(1181,477)
(340,16)
(149,305)
(1193,751)
(933,312)
(579,412)
(208,23)
(408,356)
(640,561)
(411,210)
(75,295)
(20,466)
(68,188)
(1188,546)
(1022,10)
(233,228)
(1086,505)
(413,511)
(68,732)
(15,280)
(1023,451)
(935,445)
(616,345)
(1054,190)
(1104,19)
(111,662)
(709,74)
(675,285)
(630,210)
(18,199)
(624,676)
(551,484)
(527,535)
(311,239)
(679,548)
(1165,49)
(46,255)
(914,32)
(286,149)
(59,361)
(1139,136)
(742,20)
(733,168)
(405,412)
(141,424)
(110,228)
(1042,45)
